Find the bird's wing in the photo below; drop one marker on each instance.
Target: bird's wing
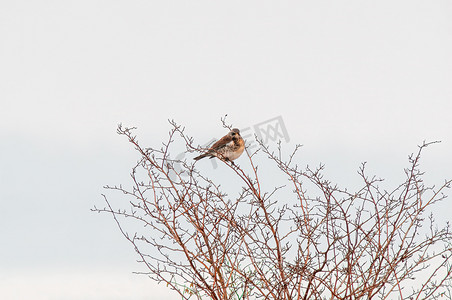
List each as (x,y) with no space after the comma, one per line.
(221,142)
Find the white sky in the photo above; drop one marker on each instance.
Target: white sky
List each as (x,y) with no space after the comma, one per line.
(353,80)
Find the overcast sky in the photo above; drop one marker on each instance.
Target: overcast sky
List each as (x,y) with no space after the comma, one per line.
(352,80)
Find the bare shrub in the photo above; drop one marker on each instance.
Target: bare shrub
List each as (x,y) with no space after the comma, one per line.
(321,242)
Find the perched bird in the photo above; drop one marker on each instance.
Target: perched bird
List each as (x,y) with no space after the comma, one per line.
(228,148)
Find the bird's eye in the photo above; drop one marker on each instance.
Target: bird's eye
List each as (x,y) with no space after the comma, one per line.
(233,133)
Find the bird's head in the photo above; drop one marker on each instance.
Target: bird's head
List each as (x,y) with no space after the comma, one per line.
(234,133)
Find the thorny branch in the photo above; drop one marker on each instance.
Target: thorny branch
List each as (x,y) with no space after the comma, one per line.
(317,242)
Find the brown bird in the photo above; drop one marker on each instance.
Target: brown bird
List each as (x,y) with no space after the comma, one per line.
(228,148)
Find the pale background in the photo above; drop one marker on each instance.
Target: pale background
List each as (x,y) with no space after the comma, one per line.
(353,81)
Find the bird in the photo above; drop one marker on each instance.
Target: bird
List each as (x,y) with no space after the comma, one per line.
(228,148)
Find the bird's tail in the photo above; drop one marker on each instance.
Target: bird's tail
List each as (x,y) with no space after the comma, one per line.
(201,156)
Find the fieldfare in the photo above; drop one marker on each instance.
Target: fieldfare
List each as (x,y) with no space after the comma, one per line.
(228,148)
